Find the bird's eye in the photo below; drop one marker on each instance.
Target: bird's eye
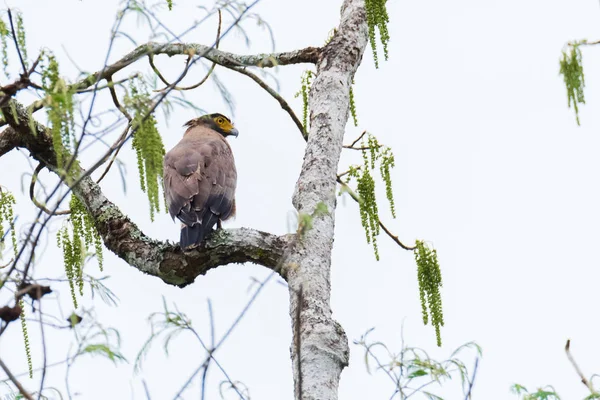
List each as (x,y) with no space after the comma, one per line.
(220,121)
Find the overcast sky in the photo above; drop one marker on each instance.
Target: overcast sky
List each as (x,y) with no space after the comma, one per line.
(491,168)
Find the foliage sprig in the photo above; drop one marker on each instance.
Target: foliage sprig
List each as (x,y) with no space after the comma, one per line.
(4,34)
(21,39)
(571,69)
(373,154)
(7,201)
(147,143)
(75,244)
(59,105)
(306,81)
(26,337)
(430,282)
(377,18)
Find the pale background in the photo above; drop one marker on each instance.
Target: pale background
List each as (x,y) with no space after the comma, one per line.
(491,168)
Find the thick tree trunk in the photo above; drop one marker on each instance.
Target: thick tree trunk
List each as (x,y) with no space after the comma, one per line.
(323,345)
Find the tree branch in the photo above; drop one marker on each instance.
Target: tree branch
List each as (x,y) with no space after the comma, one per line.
(9,139)
(14,380)
(584,380)
(306,55)
(121,236)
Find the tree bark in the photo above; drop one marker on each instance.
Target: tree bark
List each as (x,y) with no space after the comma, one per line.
(321,341)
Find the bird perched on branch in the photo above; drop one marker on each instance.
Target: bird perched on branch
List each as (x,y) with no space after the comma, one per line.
(200,178)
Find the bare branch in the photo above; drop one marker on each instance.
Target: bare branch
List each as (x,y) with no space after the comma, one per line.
(357,139)
(9,139)
(276,96)
(210,71)
(32,194)
(584,380)
(14,35)
(14,380)
(306,55)
(115,98)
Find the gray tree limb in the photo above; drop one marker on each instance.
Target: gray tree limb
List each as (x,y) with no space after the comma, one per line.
(322,342)
(121,236)
(306,55)
(9,139)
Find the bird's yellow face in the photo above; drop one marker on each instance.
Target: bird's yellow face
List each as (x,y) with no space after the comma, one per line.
(223,125)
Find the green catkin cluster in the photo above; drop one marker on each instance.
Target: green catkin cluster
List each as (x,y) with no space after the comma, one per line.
(373,153)
(353,106)
(76,243)
(369,215)
(571,69)
(84,227)
(147,144)
(306,81)
(430,282)
(4,35)
(7,201)
(73,259)
(60,106)
(26,338)
(21,41)
(377,17)
(170,4)
(388,162)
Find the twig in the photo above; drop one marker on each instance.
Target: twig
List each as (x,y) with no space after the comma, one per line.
(44,350)
(361,148)
(14,380)
(116,153)
(115,98)
(156,70)
(385,229)
(32,194)
(472,381)
(109,85)
(357,139)
(276,96)
(14,35)
(210,71)
(584,380)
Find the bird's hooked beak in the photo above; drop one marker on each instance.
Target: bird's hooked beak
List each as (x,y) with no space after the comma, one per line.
(234,132)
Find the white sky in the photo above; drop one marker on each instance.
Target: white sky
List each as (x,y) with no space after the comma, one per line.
(491,168)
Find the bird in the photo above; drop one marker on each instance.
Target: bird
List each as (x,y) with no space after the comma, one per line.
(200,178)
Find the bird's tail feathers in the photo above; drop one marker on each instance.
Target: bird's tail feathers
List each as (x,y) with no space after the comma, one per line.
(192,236)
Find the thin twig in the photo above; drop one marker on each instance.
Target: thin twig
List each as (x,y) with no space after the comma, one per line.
(275,95)
(355,197)
(109,85)
(362,147)
(44,350)
(35,201)
(210,70)
(116,153)
(156,70)
(358,139)
(14,35)
(115,98)
(14,380)
(584,380)
(472,381)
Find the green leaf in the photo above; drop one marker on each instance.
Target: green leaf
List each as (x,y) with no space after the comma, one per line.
(417,373)
(105,351)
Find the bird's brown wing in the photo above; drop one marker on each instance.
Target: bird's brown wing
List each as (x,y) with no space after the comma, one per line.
(200,179)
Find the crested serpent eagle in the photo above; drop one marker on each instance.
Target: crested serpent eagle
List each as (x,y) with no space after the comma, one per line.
(200,178)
